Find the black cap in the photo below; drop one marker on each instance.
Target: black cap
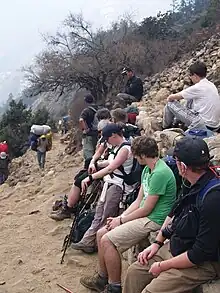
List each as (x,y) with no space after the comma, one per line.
(110,129)
(192,151)
(89,99)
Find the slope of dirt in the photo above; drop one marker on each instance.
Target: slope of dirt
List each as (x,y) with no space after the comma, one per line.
(30,244)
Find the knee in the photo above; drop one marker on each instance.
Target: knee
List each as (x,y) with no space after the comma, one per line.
(105,242)
(101,232)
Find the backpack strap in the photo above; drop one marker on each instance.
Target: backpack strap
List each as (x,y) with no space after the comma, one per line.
(121,168)
(215,182)
(93,109)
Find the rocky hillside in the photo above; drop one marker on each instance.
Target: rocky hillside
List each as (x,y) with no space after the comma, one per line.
(174,79)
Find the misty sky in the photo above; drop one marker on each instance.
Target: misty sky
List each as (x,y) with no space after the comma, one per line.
(22,22)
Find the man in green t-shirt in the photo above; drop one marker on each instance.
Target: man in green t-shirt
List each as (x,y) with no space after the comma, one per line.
(145,215)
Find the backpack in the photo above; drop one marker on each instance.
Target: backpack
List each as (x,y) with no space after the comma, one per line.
(171,162)
(135,174)
(208,187)
(83,223)
(131,131)
(94,126)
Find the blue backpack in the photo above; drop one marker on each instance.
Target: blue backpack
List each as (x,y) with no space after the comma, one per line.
(208,187)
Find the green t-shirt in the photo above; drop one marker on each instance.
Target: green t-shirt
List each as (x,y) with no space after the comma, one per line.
(160,181)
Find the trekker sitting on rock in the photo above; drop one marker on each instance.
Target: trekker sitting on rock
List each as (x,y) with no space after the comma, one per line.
(133,91)
(88,124)
(145,215)
(42,150)
(114,186)
(203,96)
(4,161)
(191,257)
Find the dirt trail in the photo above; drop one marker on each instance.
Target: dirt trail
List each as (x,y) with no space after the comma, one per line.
(30,244)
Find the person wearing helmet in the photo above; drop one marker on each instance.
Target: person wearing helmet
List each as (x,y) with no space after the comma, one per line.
(41,150)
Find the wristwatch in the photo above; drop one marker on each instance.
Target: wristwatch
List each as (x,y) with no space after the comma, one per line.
(159,243)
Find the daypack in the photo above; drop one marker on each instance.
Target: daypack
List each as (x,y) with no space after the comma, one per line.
(131,131)
(208,187)
(135,174)
(171,162)
(83,223)
(95,122)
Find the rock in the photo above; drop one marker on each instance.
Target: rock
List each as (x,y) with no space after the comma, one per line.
(162,94)
(37,271)
(51,172)
(2,283)
(8,213)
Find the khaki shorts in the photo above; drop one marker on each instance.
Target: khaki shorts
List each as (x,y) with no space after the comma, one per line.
(131,233)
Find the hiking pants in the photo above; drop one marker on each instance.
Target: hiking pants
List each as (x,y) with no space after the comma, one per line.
(139,280)
(125,99)
(89,146)
(184,114)
(41,157)
(104,210)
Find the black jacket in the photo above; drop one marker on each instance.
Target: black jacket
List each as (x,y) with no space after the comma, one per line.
(134,87)
(196,224)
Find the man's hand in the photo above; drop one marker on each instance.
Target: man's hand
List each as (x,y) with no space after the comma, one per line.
(148,253)
(92,168)
(112,223)
(155,269)
(84,184)
(171,98)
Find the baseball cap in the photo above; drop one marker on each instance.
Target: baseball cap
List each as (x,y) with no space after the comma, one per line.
(89,99)
(192,151)
(125,70)
(110,129)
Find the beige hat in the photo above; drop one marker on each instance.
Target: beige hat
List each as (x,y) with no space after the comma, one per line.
(102,123)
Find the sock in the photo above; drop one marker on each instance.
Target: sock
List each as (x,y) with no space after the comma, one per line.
(115,284)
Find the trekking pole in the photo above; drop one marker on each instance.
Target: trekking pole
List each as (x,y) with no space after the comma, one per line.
(64,288)
(67,239)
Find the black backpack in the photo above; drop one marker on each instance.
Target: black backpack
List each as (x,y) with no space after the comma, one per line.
(171,162)
(83,223)
(135,175)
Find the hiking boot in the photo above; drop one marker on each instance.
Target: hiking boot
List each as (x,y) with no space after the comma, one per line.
(61,214)
(112,289)
(96,283)
(83,247)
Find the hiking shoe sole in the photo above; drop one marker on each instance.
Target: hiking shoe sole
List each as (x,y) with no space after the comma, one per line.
(91,287)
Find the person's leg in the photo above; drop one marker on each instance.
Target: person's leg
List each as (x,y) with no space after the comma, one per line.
(121,239)
(181,113)
(182,280)
(43,159)
(73,198)
(102,266)
(39,158)
(104,210)
(125,99)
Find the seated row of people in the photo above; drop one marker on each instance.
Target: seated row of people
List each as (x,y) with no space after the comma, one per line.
(185,252)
